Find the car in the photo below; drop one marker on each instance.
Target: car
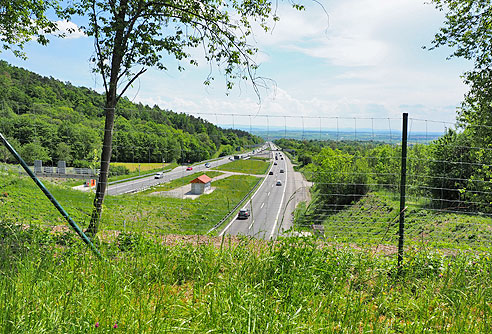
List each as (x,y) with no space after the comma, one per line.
(275,163)
(189,168)
(279,183)
(271,173)
(231,158)
(207,165)
(281,171)
(159,175)
(243,214)
(281,158)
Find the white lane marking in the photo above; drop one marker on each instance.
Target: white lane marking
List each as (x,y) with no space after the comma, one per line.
(262,205)
(233,220)
(272,185)
(250,226)
(268,194)
(280,207)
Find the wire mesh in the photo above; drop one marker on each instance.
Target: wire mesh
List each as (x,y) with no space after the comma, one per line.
(341,177)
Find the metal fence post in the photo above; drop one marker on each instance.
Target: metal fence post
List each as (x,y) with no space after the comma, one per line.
(57,205)
(403,181)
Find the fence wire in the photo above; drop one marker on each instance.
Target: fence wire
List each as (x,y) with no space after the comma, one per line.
(342,183)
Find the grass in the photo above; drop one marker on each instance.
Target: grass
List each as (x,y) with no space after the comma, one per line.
(143,173)
(143,167)
(248,166)
(180,182)
(375,218)
(22,201)
(259,158)
(52,284)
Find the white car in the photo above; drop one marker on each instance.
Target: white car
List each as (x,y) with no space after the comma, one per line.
(279,183)
(159,175)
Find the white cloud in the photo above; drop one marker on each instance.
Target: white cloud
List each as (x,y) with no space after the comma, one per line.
(69,29)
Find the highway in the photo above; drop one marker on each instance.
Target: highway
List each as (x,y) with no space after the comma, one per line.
(149,181)
(272,205)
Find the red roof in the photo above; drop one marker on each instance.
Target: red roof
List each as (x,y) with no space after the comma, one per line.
(202,179)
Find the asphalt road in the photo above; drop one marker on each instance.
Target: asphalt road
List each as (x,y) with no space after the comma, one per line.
(149,181)
(272,205)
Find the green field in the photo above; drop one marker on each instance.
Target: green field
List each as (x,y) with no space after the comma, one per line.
(144,166)
(180,182)
(248,166)
(23,202)
(52,284)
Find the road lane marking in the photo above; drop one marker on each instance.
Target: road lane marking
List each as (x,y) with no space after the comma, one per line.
(250,226)
(262,205)
(233,220)
(268,194)
(280,207)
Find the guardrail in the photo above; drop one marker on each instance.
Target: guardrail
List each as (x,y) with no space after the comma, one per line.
(240,202)
(235,208)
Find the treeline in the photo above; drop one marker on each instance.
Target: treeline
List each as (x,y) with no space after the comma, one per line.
(49,120)
(453,171)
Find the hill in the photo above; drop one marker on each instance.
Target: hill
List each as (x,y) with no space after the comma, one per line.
(52,120)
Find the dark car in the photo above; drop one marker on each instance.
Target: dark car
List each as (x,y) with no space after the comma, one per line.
(243,214)
(275,163)
(281,171)
(271,173)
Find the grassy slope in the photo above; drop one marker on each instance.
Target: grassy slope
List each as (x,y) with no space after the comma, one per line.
(26,204)
(180,182)
(291,286)
(374,218)
(246,166)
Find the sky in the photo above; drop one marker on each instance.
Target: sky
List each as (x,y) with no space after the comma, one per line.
(356,63)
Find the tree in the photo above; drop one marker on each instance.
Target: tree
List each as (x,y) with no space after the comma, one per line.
(136,33)
(468,29)
(23,20)
(34,151)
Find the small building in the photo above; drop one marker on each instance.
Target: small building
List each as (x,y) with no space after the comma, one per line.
(200,185)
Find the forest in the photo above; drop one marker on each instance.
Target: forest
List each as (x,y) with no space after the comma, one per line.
(47,119)
(451,172)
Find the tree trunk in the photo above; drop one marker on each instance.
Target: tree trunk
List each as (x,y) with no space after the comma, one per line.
(104,172)
(112,98)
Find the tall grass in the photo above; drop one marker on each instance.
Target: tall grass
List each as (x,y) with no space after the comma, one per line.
(51,284)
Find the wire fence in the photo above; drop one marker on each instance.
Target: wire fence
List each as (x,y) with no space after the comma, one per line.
(336,177)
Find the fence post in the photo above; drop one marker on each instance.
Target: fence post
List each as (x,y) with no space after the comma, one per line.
(403,183)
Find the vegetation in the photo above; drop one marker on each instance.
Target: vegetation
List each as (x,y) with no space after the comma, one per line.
(180,182)
(24,20)
(248,166)
(142,167)
(51,283)
(22,201)
(48,119)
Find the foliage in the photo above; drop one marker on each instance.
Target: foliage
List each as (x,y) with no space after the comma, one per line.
(22,21)
(292,285)
(341,178)
(67,122)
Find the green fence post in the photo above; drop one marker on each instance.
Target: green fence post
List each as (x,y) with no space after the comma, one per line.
(403,181)
(50,197)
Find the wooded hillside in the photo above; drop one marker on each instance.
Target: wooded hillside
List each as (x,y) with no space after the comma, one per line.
(50,120)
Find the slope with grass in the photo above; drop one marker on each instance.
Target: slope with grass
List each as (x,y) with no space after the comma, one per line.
(249,166)
(21,201)
(374,219)
(51,283)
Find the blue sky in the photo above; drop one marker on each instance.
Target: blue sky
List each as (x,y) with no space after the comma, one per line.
(364,60)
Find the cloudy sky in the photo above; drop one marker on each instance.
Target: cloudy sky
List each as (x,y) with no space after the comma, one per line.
(362,59)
